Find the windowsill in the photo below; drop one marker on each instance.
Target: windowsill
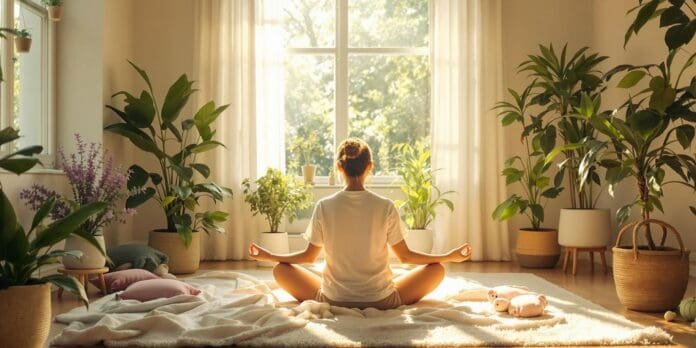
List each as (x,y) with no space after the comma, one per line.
(50,171)
(379,186)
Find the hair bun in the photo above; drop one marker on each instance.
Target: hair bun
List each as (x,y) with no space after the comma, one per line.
(352,149)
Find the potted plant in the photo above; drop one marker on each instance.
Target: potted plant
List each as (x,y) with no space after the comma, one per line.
(649,135)
(276,196)
(54,8)
(22,40)
(175,148)
(25,294)
(422,195)
(537,247)
(308,147)
(568,89)
(93,177)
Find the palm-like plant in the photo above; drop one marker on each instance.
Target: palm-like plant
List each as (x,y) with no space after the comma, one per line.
(560,83)
(531,171)
(422,195)
(24,253)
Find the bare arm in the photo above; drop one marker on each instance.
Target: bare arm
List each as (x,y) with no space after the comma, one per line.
(407,255)
(306,256)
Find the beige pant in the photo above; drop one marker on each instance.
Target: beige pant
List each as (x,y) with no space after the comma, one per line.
(390,302)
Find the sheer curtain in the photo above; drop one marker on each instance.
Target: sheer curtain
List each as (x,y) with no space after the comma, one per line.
(230,71)
(467,140)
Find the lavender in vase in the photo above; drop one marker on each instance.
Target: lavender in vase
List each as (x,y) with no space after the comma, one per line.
(93,177)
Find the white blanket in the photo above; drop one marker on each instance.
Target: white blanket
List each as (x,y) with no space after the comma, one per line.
(237,308)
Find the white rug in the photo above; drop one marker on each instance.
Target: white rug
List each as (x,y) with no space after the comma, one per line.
(237,308)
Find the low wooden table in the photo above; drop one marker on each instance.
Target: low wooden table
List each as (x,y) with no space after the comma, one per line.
(575,250)
(82,275)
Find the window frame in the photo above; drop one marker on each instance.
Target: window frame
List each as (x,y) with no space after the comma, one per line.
(341,52)
(7,97)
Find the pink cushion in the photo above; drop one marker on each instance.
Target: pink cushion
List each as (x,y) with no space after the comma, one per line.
(119,280)
(151,289)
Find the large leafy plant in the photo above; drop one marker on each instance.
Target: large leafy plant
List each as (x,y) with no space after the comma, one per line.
(560,83)
(276,195)
(24,253)
(653,130)
(531,172)
(175,147)
(422,195)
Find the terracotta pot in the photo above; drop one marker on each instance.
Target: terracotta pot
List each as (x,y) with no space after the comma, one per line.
(275,242)
(22,44)
(91,256)
(584,228)
(308,172)
(650,280)
(26,312)
(537,248)
(55,13)
(182,260)
(419,240)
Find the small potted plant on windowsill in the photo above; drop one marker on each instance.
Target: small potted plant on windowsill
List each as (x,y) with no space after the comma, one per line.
(54,8)
(536,247)
(308,147)
(276,196)
(93,177)
(175,148)
(422,195)
(25,293)
(22,40)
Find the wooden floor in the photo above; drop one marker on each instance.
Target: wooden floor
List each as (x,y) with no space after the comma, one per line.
(596,287)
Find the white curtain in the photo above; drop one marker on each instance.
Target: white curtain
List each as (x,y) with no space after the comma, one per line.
(225,61)
(467,139)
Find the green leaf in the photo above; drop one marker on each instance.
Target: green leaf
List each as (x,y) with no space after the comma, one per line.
(137,137)
(206,146)
(673,15)
(680,34)
(201,168)
(138,177)
(624,213)
(140,198)
(184,173)
(537,211)
(140,112)
(644,15)
(8,135)
(167,201)
(631,79)
(27,151)
(512,175)
(507,209)
(644,121)
(142,74)
(61,229)
(693,209)
(8,224)
(69,284)
(18,165)
(685,134)
(43,211)
(560,149)
(177,97)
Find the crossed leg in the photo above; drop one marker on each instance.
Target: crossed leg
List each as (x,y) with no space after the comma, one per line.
(412,286)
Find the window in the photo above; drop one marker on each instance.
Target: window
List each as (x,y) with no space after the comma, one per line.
(26,100)
(356,68)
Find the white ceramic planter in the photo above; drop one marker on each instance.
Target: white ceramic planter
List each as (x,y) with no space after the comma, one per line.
(308,171)
(585,228)
(275,242)
(91,256)
(419,240)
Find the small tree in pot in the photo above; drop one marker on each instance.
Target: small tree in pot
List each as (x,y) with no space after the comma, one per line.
(422,195)
(649,135)
(568,88)
(276,196)
(536,246)
(308,147)
(175,148)
(25,294)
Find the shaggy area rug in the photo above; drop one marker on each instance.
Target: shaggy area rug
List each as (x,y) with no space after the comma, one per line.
(243,309)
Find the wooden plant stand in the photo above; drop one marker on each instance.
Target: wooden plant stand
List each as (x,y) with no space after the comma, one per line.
(82,275)
(575,250)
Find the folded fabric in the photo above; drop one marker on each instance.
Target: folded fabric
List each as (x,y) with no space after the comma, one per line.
(151,289)
(120,280)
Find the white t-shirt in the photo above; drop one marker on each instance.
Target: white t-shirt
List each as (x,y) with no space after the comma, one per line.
(354,227)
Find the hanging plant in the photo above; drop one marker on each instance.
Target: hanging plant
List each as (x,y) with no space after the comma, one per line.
(22,40)
(54,8)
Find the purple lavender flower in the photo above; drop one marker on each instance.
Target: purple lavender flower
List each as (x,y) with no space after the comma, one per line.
(93,177)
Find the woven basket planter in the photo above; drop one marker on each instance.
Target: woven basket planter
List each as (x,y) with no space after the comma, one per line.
(182,260)
(55,13)
(650,280)
(26,313)
(537,248)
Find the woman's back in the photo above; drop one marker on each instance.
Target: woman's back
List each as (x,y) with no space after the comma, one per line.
(355,228)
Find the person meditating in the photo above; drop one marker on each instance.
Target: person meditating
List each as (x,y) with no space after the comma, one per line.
(354,226)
